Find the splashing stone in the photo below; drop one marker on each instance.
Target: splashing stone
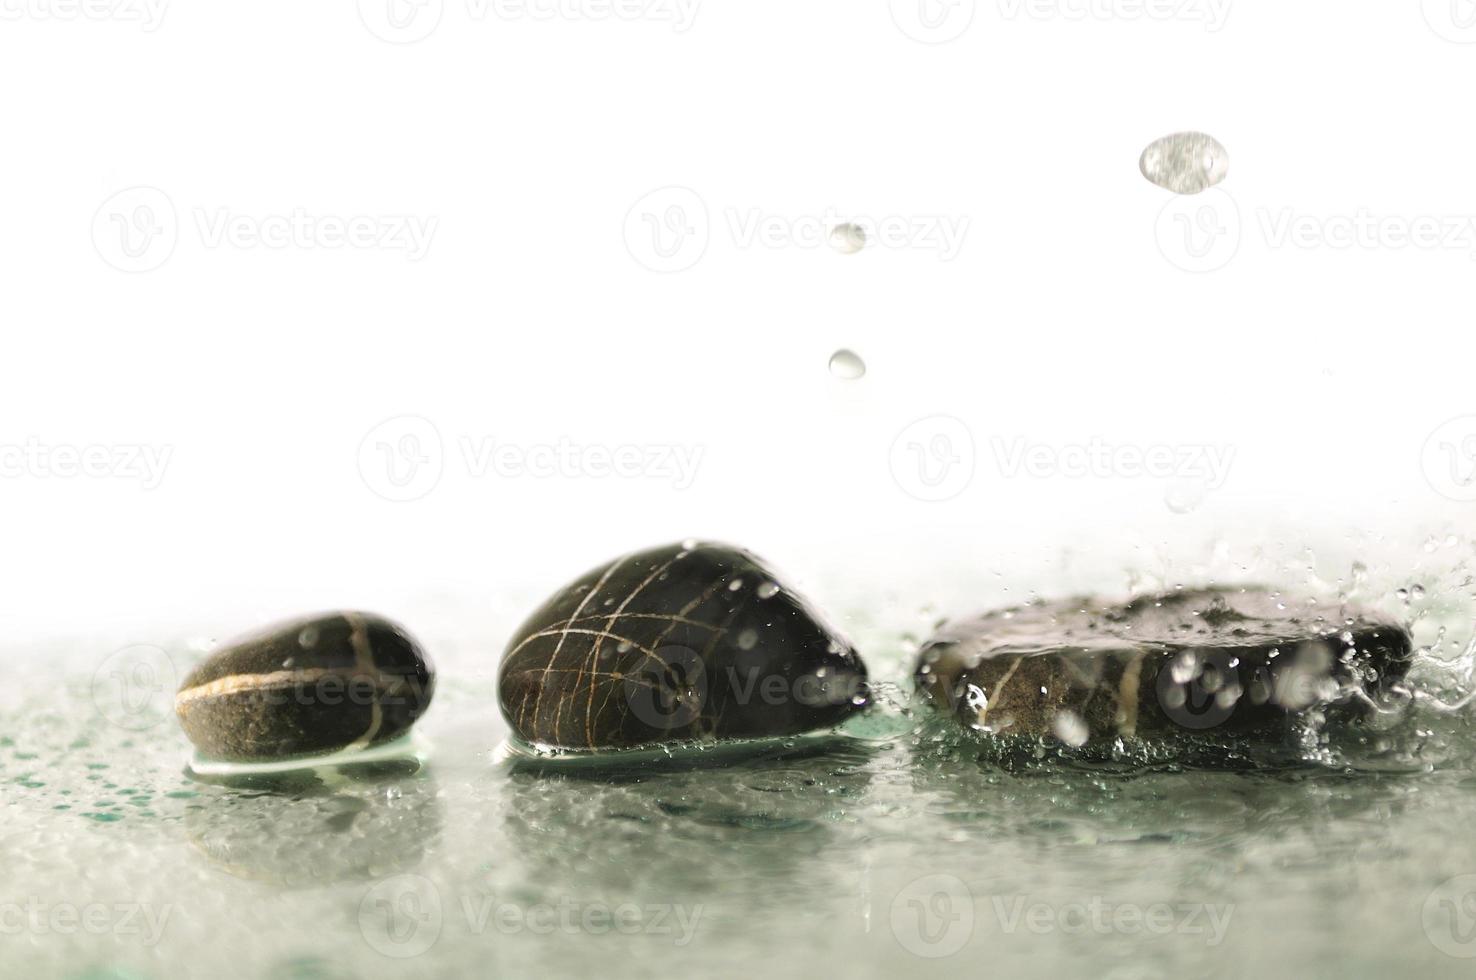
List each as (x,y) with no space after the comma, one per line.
(331,683)
(1185,163)
(693,657)
(1239,660)
(847,365)
(848,239)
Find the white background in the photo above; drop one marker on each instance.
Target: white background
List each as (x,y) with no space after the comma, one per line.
(527,140)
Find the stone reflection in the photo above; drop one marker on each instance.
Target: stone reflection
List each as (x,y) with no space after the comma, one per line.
(318,826)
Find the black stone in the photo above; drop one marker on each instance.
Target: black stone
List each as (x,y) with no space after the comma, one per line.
(695,641)
(307,687)
(1232,659)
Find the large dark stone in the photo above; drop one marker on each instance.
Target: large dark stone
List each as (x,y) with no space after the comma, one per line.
(307,687)
(1234,659)
(690,641)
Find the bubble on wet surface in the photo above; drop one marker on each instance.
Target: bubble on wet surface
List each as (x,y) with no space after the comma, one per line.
(847,365)
(848,239)
(1185,163)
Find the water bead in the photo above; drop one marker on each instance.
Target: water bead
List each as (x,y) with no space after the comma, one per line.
(847,365)
(848,239)
(1185,163)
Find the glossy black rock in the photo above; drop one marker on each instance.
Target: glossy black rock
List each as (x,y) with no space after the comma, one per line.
(689,641)
(1241,659)
(307,687)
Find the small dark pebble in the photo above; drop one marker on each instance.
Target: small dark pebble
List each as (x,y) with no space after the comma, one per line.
(1214,659)
(689,641)
(307,687)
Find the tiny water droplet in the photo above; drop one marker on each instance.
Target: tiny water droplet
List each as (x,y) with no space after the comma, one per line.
(847,365)
(848,239)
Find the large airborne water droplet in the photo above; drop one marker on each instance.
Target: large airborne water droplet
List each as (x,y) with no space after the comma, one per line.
(848,239)
(847,365)
(1185,163)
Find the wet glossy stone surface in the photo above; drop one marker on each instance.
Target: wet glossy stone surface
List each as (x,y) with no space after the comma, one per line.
(307,687)
(1196,660)
(688,641)
(1185,163)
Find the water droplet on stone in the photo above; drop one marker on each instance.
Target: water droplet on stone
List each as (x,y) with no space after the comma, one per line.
(848,239)
(1185,163)
(847,365)
(1069,728)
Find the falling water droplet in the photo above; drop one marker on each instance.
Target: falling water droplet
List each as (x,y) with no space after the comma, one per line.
(848,239)
(1185,163)
(1185,496)
(847,365)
